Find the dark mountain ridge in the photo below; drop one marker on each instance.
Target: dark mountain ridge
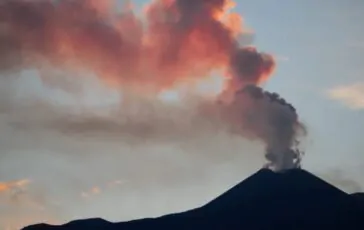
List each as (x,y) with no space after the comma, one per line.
(294,199)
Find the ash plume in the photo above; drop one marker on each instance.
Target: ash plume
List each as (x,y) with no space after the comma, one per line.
(269,117)
(180,41)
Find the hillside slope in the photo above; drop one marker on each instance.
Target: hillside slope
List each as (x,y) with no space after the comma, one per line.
(294,199)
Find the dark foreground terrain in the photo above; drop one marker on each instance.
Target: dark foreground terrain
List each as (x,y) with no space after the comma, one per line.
(293,200)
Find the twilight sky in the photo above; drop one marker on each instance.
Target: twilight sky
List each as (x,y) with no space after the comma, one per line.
(321,71)
(56,177)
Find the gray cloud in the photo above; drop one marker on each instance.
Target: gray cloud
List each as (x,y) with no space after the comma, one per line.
(164,153)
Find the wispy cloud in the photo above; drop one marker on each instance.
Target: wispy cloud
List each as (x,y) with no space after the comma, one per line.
(24,205)
(356,44)
(351,95)
(7,186)
(282,58)
(96,190)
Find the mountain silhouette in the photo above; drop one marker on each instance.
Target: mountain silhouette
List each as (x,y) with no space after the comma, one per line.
(294,199)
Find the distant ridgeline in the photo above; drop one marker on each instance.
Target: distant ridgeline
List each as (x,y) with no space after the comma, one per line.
(294,199)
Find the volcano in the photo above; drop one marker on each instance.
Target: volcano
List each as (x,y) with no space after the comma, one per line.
(294,199)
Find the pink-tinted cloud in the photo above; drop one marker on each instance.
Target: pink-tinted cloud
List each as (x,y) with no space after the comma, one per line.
(351,95)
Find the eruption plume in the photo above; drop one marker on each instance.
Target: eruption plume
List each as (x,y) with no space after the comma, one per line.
(272,119)
(180,42)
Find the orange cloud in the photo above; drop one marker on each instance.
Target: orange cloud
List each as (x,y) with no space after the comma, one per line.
(351,95)
(8,186)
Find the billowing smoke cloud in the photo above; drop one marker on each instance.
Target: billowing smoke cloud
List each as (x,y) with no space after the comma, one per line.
(270,118)
(180,41)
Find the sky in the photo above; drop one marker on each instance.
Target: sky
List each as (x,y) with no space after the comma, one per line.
(59,177)
(321,70)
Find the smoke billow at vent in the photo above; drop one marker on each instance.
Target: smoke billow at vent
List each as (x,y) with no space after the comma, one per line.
(176,41)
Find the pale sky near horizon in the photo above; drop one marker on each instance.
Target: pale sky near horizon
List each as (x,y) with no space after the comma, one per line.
(320,50)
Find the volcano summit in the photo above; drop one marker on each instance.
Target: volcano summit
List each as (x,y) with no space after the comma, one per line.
(294,199)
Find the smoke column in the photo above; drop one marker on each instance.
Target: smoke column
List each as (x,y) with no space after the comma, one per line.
(177,41)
